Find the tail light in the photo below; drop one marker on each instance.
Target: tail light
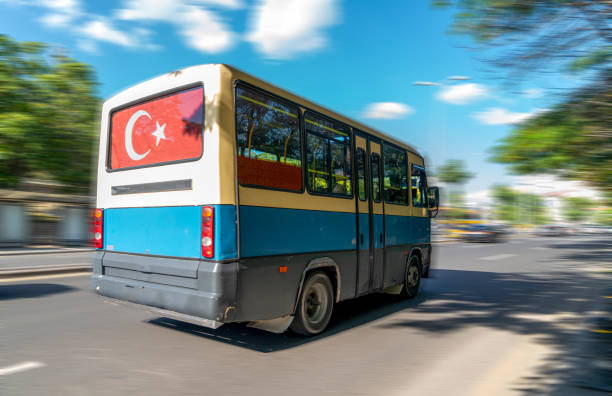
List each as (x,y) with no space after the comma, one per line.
(208,231)
(98,228)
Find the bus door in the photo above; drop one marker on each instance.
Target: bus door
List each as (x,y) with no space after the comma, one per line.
(376,214)
(369,215)
(363,216)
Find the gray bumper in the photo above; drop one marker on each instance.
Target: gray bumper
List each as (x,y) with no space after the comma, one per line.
(196,288)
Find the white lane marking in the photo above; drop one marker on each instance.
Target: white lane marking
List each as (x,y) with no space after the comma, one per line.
(16,368)
(539,248)
(498,257)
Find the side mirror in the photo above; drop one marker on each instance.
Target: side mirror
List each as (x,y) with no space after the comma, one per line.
(433,201)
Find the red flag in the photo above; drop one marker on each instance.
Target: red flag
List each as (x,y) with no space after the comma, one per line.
(160,130)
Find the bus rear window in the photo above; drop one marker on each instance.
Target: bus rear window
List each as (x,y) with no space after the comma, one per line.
(162,130)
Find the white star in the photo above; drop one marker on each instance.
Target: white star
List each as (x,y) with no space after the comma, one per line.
(159,133)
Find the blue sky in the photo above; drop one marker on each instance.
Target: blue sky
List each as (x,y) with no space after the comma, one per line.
(390,64)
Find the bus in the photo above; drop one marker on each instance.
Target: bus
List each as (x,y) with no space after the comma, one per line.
(223,198)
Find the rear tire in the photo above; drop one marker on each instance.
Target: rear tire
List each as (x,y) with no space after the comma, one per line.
(412,278)
(315,305)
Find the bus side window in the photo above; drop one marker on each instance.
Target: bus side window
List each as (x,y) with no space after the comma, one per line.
(375,169)
(361,172)
(418,187)
(268,141)
(395,178)
(328,156)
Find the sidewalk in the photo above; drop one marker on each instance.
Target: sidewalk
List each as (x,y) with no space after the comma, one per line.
(43,250)
(43,260)
(595,348)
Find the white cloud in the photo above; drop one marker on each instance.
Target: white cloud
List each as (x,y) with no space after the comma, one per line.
(533,93)
(425,83)
(280,29)
(387,110)
(499,116)
(458,78)
(202,29)
(462,93)
(229,4)
(62,12)
(103,30)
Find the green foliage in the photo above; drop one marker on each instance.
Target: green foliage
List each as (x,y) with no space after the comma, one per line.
(516,207)
(537,34)
(48,115)
(454,172)
(599,56)
(573,140)
(576,210)
(603,217)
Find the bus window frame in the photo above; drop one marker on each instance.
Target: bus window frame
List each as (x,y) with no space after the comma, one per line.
(349,147)
(425,194)
(365,174)
(372,155)
(382,166)
(158,95)
(238,84)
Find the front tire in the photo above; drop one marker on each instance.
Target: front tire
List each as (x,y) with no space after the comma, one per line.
(315,305)
(412,278)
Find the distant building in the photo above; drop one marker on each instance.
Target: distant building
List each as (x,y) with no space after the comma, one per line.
(553,190)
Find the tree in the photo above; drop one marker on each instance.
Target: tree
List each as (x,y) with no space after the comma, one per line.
(576,210)
(454,174)
(603,217)
(516,207)
(537,35)
(574,139)
(48,115)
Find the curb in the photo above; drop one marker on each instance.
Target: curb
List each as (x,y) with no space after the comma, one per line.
(44,251)
(43,270)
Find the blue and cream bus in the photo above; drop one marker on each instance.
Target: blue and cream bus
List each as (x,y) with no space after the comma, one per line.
(222,198)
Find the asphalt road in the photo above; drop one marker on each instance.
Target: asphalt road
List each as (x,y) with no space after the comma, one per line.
(494,319)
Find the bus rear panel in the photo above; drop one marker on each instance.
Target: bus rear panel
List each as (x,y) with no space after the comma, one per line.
(164,230)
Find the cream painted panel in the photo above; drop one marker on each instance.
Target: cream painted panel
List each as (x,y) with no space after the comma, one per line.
(203,172)
(282,199)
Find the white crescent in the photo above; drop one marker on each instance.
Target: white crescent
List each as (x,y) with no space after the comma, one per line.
(128,136)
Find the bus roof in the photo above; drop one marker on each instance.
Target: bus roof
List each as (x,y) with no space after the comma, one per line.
(237,73)
(241,75)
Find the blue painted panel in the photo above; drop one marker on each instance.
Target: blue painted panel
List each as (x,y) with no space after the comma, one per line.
(403,230)
(364,228)
(422,227)
(168,231)
(270,231)
(165,231)
(226,246)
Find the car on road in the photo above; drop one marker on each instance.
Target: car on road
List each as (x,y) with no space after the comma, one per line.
(551,230)
(481,233)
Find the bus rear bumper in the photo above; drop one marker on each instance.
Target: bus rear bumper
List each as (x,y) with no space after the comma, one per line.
(210,301)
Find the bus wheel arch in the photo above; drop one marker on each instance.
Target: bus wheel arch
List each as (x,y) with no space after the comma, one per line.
(316,297)
(329,267)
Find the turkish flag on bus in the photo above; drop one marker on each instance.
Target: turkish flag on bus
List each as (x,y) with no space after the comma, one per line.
(160,130)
